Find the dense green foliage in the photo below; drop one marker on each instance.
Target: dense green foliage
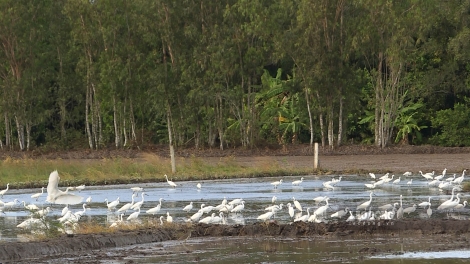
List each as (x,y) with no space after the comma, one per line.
(100,73)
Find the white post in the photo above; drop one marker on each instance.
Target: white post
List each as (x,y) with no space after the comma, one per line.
(315,156)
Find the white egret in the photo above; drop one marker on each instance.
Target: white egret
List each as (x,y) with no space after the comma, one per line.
(273,199)
(161,220)
(385,176)
(328,185)
(322,209)
(198,185)
(30,207)
(134,215)
(397,181)
(387,207)
(235,201)
(88,200)
(117,223)
(139,203)
(336,181)
(171,183)
(54,195)
(207,209)
(276,183)
(238,208)
(80,213)
(43,212)
(137,189)
(410,182)
(461,206)
(351,217)
(429,211)
(64,210)
(266,216)
(169,218)
(370,185)
(297,204)
(2,192)
(65,217)
(450,204)
(445,185)
(428,175)
(112,205)
(80,187)
(320,199)
(372,175)
(188,207)
(218,219)
(298,182)
(400,210)
(290,209)
(410,209)
(387,180)
(196,216)
(443,205)
(30,223)
(460,179)
(452,178)
(207,219)
(407,173)
(275,208)
(10,204)
(340,213)
(127,206)
(303,218)
(364,205)
(155,209)
(425,204)
(37,195)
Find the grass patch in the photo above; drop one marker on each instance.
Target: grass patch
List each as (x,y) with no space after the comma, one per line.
(34,173)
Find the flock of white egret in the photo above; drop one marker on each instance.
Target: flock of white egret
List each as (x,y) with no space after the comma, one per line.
(318,209)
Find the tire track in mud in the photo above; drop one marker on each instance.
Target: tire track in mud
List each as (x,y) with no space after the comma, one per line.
(78,244)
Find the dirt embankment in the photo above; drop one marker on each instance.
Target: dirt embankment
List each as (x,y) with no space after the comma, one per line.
(79,244)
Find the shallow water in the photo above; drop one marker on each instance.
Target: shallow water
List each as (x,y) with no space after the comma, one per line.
(257,192)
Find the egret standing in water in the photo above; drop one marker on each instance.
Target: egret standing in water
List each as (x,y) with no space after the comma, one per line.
(298,182)
(37,195)
(54,195)
(171,183)
(276,183)
(2,192)
(155,209)
(364,205)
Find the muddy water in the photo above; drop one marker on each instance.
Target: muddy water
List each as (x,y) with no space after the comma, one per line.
(258,194)
(274,250)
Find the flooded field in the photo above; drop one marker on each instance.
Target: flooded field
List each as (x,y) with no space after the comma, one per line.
(257,193)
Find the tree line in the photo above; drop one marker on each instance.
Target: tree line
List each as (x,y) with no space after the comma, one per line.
(121,73)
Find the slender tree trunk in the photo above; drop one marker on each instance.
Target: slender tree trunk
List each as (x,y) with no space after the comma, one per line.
(20,131)
(310,119)
(7,131)
(28,135)
(379,106)
(340,121)
(322,130)
(170,140)
(117,138)
(329,116)
(132,120)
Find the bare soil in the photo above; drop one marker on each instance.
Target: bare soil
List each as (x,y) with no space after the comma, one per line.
(343,159)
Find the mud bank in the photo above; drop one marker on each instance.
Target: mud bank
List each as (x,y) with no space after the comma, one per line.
(81,243)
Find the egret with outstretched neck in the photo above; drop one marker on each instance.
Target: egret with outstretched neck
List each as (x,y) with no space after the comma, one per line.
(171,183)
(54,195)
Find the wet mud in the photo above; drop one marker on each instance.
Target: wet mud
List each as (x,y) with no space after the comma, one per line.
(83,244)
